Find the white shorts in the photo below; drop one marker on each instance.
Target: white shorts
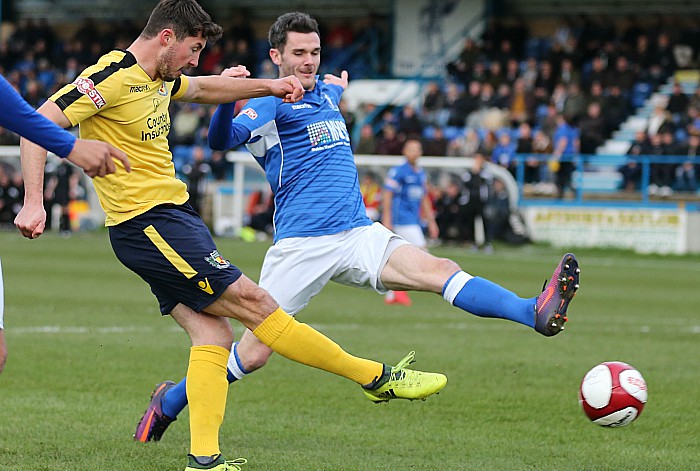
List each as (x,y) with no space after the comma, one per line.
(412,233)
(296,269)
(2,300)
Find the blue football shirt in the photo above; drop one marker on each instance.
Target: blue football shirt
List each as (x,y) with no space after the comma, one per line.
(408,187)
(305,150)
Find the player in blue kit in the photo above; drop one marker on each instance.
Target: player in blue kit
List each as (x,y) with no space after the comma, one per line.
(405,203)
(322,232)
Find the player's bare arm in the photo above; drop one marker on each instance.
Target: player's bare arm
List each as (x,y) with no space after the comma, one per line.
(94,157)
(219,89)
(341,81)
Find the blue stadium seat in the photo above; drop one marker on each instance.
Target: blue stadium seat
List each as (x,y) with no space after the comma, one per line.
(640,92)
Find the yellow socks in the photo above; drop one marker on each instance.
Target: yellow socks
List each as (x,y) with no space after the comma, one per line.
(299,342)
(206,391)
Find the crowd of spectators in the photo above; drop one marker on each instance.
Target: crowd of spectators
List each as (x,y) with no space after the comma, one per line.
(508,92)
(500,100)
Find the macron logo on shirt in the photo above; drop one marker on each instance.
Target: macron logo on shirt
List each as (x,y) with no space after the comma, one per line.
(301,106)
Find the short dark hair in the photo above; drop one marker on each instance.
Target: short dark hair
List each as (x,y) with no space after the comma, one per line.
(187,18)
(296,22)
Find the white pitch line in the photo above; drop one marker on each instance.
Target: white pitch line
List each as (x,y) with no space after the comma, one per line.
(472,326)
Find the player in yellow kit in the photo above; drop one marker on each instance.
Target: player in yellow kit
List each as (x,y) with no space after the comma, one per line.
(123,100)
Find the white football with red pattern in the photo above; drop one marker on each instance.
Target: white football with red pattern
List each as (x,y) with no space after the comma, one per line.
(613,394)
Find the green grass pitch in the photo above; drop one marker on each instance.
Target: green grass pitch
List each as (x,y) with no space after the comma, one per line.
(87,345)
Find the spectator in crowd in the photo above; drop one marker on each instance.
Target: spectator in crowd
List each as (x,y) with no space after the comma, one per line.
(465,145)
(260,211)
(659,120)
(488,143)
(219,166)
(6,214)
(690,120)
(592,129)
(621,75)
(410,125)
(522,103)
(435,144)
(503,96)
(457,105)
(662,55)
(61,195)
(504,151)
(349,116)
(367,143)
(617,107)
(677,103)
(598,72)
(449,213)
(371,195)
(187,121)
(462,68)
(477,193)
(686,172)
(529,73)
(631,173)
(389,142)
(197,173)
(574,102)
(596,94)
(433,104)
(546,79)
(567,73)
(525,145)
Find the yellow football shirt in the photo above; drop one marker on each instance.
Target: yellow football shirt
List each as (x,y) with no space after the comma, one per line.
(117,102)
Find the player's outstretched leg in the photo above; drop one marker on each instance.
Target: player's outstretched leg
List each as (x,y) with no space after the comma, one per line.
(551,305)
(218,464)
(544,313)
(398,382)
(154,422)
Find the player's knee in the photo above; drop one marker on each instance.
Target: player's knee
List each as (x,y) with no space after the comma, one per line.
(446,267)
(257,358)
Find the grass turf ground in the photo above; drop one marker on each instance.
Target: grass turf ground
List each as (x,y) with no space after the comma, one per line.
(87,346)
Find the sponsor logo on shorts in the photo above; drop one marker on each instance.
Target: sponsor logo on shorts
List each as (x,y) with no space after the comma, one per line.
(250,112)
(87,87)
(217,261)
(205,286)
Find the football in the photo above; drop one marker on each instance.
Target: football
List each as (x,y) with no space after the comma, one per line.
(613,394)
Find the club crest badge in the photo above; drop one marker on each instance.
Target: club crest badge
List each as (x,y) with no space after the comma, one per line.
(217,261)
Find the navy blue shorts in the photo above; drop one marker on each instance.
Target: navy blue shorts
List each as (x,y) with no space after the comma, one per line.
(173,251)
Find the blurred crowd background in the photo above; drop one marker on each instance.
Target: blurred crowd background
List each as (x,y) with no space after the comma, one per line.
(511,91)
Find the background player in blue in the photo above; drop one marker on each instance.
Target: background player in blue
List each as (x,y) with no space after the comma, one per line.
(405,203)
(322,232)
(566,144)
(18,116)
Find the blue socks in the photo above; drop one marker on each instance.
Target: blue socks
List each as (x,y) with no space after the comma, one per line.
(175,399)
(483,298)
